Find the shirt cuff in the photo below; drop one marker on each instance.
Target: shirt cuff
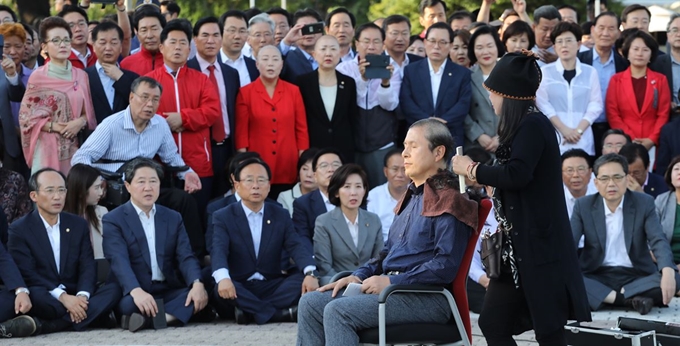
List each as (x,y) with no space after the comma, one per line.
(13,80)
(57,292)
(221,274)
(181,175)
(284,48)
(83,293)
(308,268)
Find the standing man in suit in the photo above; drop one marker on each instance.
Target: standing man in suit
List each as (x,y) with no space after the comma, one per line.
(397,30)
(14,297)
(150,255)
(669,64)
(620,227)
(246,257)
(109,84)
(53,252)
(208,38)
(436,87)
(640,179)
(340,24)
(607,61)
(301,60)
(235,26)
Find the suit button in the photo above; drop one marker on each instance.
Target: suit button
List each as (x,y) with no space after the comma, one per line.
(274,142)
(273,109)
(516,233)
(330,130)
(274,131)
(356,263)
(519,259)
(273,153)
(512,208)
(274,120)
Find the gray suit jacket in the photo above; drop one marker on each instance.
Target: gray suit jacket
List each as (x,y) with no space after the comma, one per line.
(641,229)
(666,204)
(334,248)
(481,118)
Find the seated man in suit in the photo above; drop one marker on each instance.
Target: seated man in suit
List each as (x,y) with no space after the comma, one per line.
(436,87)
(620,227)
(300,61)
(308,207)
(640,179)
(53,252)
(109,84)
(247,249)
(14,298)
(149,252)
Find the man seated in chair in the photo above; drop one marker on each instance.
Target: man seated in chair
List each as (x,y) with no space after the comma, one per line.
(149,252)
(248,242)
(620,227)
(426,244)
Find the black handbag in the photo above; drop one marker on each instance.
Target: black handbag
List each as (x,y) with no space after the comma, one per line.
(492,254)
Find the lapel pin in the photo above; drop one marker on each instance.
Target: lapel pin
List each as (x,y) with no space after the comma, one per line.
(68,230)
(268,222)
(449,74)
(366,225)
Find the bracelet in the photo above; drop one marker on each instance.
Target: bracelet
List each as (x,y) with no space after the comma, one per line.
(51,124)
(471,166)
(385,86)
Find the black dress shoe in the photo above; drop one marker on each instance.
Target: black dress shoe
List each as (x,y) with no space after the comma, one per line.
(204,316)
(18,327)
(107,321)
(242,317)
(642,305)
(125,322)
(138,322)
(292,313)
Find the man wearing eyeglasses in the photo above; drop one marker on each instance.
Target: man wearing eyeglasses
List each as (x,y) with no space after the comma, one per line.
(53,252)
(620,227)
(82,54)
(260,32)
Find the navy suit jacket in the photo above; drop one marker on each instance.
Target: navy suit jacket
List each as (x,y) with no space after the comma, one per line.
(669,146)
(233,247)
(252,68)
(305,211)
(10,276)
(295,65)
(231,85)
(656,185)
(620,63)
(121,96)
(453,99)
(127,250)
(30,247)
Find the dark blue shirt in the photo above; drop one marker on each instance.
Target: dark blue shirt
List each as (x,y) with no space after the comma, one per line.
(424,250)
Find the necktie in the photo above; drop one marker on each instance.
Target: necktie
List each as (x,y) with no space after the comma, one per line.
(217,130)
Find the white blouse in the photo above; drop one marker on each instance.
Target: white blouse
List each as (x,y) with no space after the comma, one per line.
(328,96)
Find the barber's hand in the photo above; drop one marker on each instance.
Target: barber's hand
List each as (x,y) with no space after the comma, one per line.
(293,35)
(668,288)
(648,143)
(375,284)
(340,284)
(198,295)
(226,289)
(192,182)
(75,306)
(144,302)
(174,119)
(633,184)
(310,284)
(8,66)
(459,164)
(112,70)
(22,303)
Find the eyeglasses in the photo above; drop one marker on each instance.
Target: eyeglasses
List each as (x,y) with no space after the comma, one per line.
(58,41)
(250,182)
(580,169)
(324,166)
(258,35)
(7,20)
(616,178)
(52,191)
(80,23)
(147,98)
(368,43)
(440,43)
(613,146)
(564,42)
(674,31)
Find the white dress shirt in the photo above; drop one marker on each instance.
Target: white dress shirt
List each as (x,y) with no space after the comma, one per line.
(400,69)
(149,226)
(107,83)
(349,56)
(328,96)
(353,229)
(571,200)
(615,253)
(82,58)
(381,203)
(327,202)
(221,88)
(436,80)
(240,65)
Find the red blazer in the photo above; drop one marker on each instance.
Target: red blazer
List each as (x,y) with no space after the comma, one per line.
(275,127)
(142,62)
(622,109)
(199,106)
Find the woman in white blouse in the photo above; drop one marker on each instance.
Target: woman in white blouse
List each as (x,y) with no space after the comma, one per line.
(569,94)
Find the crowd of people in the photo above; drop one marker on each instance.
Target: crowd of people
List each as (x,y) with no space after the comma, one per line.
(232,165)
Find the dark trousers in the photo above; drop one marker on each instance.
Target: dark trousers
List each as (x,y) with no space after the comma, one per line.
(263,298)
(505,313)
(173,301)
(476,293)
(221,155)
(598,131)
(17,164)
(101,302)
(183,203)
(202,196)
(6,305)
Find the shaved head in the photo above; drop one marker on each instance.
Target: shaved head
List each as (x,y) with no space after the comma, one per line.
(269,50)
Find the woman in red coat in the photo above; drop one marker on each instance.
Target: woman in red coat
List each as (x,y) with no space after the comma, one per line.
(638,99)
(271,120)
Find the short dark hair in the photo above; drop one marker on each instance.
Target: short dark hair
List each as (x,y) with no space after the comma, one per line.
(323,152)
(607,14)
(233,13)
(306,156)
(395,19)
(132,166)
(204,21)
(339,10)
(107,26)
(484,30)
(563,27)
(616,132)
(33,180)
(70,9)
(477,154)
(634,151)
(237,159)
(437,134)
(10,11)
(395,150)
(252,12)
(172,7)
(414,38)
(145,13)
(577,152)
(252,161)
(429,3)
(365,26)
(586,27)
(462,14)
(547,12)
(669,171)
(281,11)
(632,8)
(93,22)
(571,8)
(646,38)
(464,36)
(50,23)
(176,25)
(152,83)
(440,26)
(307,12)
(517,28)
(339,178)
(610,158)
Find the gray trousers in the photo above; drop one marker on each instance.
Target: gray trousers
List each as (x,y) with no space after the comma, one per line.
(373,164)
(323,320)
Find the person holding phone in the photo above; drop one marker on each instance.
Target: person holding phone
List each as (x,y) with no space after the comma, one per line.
(307,30)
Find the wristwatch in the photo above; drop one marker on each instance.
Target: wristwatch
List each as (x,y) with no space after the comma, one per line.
(22,290)
(580,132)
(312,273)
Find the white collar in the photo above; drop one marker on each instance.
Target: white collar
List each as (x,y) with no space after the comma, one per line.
(609,212)
(441,68)
(249,211)
(141,212)
(47,225)
(203,64)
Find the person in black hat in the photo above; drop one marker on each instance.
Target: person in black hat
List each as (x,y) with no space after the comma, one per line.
(540,285)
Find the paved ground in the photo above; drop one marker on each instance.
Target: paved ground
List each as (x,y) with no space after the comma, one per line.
(283,334)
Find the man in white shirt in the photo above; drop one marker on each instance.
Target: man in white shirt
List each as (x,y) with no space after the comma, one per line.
(260,33)
(53,252)
(384,198)
(620,228)
(234,36)
(576,176)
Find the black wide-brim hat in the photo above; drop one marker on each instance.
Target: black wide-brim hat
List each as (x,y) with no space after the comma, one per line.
(515,76)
